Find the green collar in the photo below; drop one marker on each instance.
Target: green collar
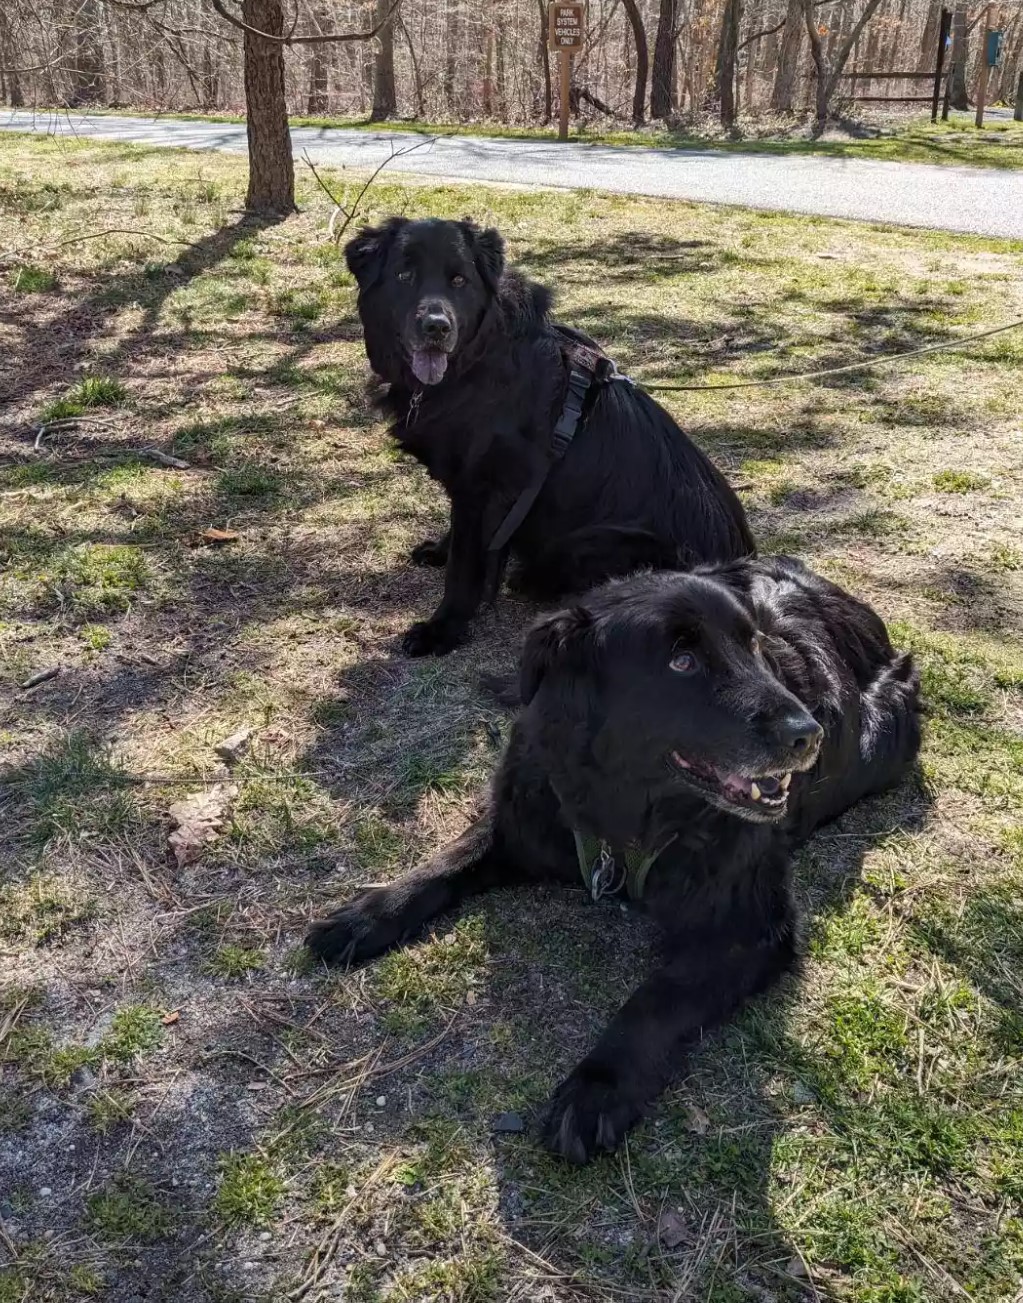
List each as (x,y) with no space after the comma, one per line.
(604,871)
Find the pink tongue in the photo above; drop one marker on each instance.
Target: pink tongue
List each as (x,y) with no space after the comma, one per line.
(429,365)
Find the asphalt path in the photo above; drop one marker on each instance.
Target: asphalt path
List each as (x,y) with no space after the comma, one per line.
(974,200)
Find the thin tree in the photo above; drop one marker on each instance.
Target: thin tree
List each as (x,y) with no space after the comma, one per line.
(960,54)
(784,89)
(385,100)
(728,54)
(271,168)
(662,84)
(642,61)
(829,71)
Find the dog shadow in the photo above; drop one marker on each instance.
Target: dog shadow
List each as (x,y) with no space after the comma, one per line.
(692,1197)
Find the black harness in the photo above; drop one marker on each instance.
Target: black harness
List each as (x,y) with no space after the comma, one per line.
(587,369)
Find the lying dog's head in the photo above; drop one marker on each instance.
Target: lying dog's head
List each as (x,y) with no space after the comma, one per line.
(663,682)
(426,286)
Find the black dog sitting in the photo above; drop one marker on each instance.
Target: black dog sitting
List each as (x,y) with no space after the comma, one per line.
(682,732)
(478,377)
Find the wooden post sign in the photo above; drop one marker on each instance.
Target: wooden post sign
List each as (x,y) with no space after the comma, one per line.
(566,25)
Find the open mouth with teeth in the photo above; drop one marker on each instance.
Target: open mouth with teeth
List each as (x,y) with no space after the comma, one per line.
(764,795)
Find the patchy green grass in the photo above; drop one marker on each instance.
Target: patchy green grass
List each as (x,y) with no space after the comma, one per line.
(30,279)
(127,1211)
(93,391)
(960,482)
(248,1190)
(856,1134)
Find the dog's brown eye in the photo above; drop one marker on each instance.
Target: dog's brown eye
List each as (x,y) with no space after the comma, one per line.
(683,663)
(457,281)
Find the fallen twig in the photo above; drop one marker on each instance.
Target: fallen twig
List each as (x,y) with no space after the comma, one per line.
(34,680)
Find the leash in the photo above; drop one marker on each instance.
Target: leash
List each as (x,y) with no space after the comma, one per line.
(867,364)
(588,368)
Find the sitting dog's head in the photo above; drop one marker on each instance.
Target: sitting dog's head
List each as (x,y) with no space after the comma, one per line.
(663,683)
(424,288)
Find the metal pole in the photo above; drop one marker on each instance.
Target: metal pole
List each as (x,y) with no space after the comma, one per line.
(566,86)
(943,30)
(985,71)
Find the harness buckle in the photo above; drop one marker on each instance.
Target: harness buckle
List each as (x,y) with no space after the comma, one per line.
(604,878)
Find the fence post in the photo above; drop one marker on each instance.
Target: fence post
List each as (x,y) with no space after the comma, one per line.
(985,69)
(1018,114)
(943,31)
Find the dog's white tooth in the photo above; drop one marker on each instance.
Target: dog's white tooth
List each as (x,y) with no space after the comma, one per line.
(783,782)
(754,791)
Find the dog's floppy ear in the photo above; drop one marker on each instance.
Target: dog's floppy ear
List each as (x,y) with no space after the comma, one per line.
(367,253)
(487,252)
(553,641)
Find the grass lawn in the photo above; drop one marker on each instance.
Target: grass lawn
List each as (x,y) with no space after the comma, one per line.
(186,1110)
(915,140)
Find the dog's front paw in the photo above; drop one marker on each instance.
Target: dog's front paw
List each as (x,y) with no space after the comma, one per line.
(589,1111)
(431,552)
(356,933)
(434,637)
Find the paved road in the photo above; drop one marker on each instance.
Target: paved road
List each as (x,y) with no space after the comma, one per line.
(978,200)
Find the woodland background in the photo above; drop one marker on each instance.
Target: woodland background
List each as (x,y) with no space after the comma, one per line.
(452,60)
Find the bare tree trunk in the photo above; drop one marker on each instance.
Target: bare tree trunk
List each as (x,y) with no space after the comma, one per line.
(450,53)
(318,96)
(209,79)
(9,58)
(545,59)
(960,54)
(929,38)
(829,72)
(728,51)
(642,61)
(385,101)
(87,77)
(488,73)
(662,83)
(271,167)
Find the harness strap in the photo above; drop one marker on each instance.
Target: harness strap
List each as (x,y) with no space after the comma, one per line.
(580,378)
(604,872)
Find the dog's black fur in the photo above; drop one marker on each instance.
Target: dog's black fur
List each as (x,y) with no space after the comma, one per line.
(649,709)
(477,378)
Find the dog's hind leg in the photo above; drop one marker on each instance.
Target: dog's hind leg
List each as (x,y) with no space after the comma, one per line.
(385,916)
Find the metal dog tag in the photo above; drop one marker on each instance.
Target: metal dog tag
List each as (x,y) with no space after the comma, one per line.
(603,879)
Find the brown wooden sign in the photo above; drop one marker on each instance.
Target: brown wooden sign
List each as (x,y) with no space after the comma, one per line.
(566,25)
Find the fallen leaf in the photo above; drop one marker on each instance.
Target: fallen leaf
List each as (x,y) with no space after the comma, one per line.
(198,819)
(698,1122)
(169,1019)
(217,537)
(671,1229)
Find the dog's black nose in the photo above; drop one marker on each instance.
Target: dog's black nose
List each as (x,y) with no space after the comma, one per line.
(800,734)
(436,326)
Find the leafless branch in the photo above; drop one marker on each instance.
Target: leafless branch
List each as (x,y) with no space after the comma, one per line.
(339,208)
(308,40)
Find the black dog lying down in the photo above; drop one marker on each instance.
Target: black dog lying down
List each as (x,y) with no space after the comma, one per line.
(688,729)
(478,375)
